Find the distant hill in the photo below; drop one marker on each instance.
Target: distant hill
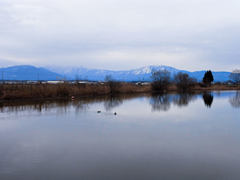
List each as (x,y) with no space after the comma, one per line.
(26,72)
(139,74)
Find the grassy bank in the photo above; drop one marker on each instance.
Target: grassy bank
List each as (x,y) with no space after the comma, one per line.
(214,87)
(67,90)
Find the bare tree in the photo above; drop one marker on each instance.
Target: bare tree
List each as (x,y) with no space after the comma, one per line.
(235,76)
(108,78)
(113,85)
(184,82)
(161,80)
(77,79)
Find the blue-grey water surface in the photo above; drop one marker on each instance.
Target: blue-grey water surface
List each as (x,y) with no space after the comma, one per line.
(151,137)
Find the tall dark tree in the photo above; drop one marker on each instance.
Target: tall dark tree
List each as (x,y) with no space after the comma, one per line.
(208,78)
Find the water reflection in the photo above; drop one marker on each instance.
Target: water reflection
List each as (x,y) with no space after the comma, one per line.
(160,102)
(112,102)
(184,143)
(208,99)
(183,99)
(235,101)
(32,105)
(79,105)
(157,102)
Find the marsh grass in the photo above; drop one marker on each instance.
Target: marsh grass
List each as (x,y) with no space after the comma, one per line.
(67,90)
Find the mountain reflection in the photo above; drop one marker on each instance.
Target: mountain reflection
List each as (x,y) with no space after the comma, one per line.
(235,101)
(208,99)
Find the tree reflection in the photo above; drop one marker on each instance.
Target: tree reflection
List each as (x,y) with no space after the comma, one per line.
(183,99)
(80,106)
(112,102)
(39,106)
(208,99)
(160,102)
(235,101)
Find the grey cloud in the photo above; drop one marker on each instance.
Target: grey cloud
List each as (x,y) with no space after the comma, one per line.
(121,34)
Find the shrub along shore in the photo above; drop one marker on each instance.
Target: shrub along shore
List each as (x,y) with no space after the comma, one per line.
(75,90)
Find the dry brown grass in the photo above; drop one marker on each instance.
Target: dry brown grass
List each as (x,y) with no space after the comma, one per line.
(38,91)
(133,88)
(28,91)
(198,87)
(217,87)
(65,90)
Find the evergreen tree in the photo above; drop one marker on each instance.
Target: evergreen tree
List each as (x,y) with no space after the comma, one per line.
(208,77)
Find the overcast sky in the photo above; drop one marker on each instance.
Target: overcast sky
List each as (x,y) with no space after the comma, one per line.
(121,34)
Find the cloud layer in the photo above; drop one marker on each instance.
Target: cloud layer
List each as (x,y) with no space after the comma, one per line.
(121,34)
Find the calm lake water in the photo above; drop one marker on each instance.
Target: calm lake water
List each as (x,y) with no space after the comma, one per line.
(152,137)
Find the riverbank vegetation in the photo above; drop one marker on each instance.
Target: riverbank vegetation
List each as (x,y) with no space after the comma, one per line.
(67,90)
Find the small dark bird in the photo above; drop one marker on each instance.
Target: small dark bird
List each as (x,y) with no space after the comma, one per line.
(115,113)
(98,111)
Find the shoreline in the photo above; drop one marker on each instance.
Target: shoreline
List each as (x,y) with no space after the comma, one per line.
(38,92)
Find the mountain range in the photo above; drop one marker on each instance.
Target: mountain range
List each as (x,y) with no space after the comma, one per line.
(27,72)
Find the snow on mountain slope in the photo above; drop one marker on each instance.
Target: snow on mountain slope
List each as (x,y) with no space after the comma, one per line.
(55,73)
(139,74)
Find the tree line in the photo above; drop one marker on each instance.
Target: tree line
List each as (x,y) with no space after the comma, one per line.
(161,79)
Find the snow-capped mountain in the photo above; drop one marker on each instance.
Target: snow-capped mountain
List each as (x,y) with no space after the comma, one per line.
(139,74)
(55,73)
